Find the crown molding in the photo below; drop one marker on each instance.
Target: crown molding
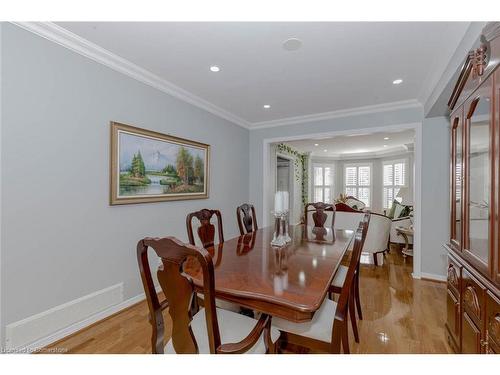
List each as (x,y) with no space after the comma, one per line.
(413,103)
(394,152)
(65,38)
(75,43)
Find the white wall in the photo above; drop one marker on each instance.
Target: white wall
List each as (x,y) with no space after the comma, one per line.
(60,238)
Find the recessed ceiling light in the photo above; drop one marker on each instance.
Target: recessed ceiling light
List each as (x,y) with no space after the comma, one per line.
(292,44)
(385,145)
(397,81)
(316,144)
(386,138)
(266,106)
(325,150)
(214,68)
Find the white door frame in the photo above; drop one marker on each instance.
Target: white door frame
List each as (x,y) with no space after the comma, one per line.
(417,180)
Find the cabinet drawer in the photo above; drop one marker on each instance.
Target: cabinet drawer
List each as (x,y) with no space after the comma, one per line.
(493,321)
(473,298)
(454,276)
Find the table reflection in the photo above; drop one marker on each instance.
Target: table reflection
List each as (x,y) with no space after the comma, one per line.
(280,278)
(319,234)
(246,243)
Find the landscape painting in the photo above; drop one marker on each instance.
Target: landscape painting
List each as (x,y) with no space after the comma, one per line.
(149,167)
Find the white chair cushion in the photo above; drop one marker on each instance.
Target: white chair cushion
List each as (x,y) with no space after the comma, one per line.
(233,328)
(340,275)
(223,304)
(319,327)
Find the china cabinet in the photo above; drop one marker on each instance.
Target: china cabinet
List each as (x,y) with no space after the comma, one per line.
(473,295)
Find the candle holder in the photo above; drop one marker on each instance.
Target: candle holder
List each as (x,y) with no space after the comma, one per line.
(285,226)
(278,239)
(281,236)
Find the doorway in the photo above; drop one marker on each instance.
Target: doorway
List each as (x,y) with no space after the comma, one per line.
(284,178)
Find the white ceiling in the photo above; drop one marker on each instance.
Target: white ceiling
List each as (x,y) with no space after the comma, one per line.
(357,146)
(339,66)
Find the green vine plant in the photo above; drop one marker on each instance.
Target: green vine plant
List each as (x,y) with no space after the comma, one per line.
(300,161)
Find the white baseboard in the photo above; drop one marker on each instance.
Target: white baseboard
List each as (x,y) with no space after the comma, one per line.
(432,276)
(37,331)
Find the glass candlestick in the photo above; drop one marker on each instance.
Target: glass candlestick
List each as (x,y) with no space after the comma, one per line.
(284,224)
(278,238)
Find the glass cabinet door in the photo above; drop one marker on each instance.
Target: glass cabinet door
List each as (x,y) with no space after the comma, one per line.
(478,167)
(456,179)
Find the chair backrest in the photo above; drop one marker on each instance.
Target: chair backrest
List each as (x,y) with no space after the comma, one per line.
(206,230)
(247,220)
(318,213)
(377,234)
(359,237)
(178,290)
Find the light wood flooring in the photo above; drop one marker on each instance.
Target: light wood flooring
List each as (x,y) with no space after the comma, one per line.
(401,315)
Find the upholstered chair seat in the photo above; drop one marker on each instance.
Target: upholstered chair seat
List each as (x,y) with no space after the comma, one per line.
(339,278)
(233,328)
(318,328)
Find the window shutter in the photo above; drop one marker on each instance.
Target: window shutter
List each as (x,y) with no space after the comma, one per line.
(399,174)
(351,178)
(364,176)
(388,174)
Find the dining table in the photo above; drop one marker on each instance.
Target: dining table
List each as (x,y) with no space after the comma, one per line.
(290,282)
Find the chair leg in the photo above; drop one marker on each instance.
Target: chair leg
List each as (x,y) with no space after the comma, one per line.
(352,314)
(375,260)
(337,338)
(357,297)
(345,337)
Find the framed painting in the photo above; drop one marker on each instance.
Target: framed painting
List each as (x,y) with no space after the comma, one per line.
(147,166)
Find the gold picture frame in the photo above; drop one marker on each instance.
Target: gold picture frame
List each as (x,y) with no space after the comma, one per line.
(147,166)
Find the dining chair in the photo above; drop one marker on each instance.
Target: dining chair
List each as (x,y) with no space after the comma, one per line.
(327,330)
(206,234)
(201,332)
(206,230)
(319,214)
(247,219)
(339,280)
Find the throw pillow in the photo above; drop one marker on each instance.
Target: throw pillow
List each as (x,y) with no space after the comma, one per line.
(390,214)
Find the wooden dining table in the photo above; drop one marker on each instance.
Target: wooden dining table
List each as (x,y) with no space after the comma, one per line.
(289,282)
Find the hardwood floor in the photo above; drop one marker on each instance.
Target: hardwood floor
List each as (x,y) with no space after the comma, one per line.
(401,315)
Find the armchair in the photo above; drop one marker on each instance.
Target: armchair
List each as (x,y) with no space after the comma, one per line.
(401,217)
(377,237)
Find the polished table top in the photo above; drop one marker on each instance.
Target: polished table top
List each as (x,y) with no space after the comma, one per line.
(290,282)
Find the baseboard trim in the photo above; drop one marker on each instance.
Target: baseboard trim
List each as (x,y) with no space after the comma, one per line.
(432,277)
(76,327)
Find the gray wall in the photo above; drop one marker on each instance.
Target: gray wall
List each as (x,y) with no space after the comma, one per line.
(60,238)
(435,205)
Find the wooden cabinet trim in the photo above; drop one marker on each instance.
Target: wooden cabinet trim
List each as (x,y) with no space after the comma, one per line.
(468,322)
(493,319)
(453,277)
(473,298)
